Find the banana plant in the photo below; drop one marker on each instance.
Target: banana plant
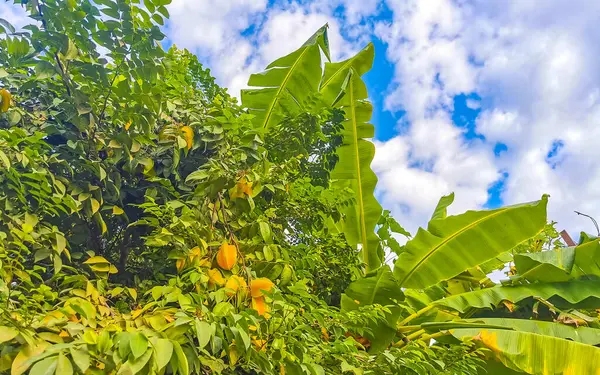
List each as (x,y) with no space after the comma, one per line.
(297,80)
(286,84)
(501,317)
(353,169)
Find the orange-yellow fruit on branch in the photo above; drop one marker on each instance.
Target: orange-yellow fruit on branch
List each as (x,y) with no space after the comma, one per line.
(260,305)
(235,284)
(6,97)
(215,277)
(259,286)
(227,256)
(188,134)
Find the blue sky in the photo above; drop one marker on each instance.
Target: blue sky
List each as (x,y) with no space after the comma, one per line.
(498,101)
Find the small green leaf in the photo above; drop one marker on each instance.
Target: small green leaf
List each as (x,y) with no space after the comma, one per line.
(182,362)
(204,333)
(45,366)
(81,358)
(7,333)
(138,343)
(265,231)
(4,159)
(163,351)
(63,366)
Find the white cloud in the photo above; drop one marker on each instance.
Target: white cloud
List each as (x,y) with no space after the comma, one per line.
(215,32)
(534,64)
(15,15)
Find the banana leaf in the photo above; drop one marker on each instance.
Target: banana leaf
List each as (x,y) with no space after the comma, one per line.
(454,244)
(534,353)
(342,84)
(560,264)
(286,84)
(584,335)
(378,287)
(574,293)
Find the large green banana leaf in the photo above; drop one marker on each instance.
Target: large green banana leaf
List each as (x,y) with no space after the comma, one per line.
(353,169)
(335,78)
(282,89)
(378,287)
(560,264)
(572,293)
(454,244)
(584,335)
(534,353)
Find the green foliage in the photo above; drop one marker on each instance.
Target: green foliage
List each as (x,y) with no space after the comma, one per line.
(141,204)
(150,225)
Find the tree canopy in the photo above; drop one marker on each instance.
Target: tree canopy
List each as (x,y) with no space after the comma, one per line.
(151,224)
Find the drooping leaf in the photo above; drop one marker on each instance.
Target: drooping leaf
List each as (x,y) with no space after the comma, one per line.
(378,287)
(283,88)
(452,245)
(335,78)
(584,335)
(441,211)
(573,292)
(46,366)
(353,169)
(560,264)
(163,350)
(534,353)
(63,365)
(138,343)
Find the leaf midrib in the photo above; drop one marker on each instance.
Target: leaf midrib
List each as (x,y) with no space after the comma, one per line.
(363,224)
(283,85)
(447,239)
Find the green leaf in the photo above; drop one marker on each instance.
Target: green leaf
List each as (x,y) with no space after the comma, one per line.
(440,211)
(572,292)
(353,170)
(265,231)
(286,84)
(63,365)
(203,332)
(335,80)
(584,335)
(135,365)
(182,362)
(46,366)
(560,264)
(138,344)
(5,160)
(163,351)
(81,358)
(378,287)
(452,245)
(198,175)
(534,353)
(7,333)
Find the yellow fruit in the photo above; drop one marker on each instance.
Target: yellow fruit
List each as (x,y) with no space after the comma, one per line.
(227,256)
(6,96)
(188,134)
(215,277)
(261,306)
(235,284)
(259,286)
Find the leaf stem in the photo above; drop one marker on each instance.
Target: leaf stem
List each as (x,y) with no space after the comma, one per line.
(416,315)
